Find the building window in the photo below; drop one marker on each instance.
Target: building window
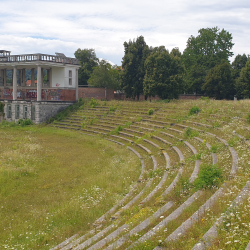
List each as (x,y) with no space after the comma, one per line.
(17,112)
(70,77)
(8,111)
(25,112)
(33,110)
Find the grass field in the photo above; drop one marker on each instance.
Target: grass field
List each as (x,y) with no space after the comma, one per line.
(54,183)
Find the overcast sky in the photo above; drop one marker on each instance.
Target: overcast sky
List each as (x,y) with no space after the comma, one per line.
(49,26)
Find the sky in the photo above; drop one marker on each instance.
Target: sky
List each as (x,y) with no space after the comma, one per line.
(49,26)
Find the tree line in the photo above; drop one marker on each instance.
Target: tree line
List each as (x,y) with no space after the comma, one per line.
(203,68)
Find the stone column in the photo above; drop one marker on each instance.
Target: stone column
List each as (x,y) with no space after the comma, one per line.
(42,77)
(39,83)
(76,84)
(32,77)
(49,76)
(4,77)
(23,78)
(14,82)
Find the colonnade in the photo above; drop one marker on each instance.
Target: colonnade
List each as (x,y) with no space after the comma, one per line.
(22,81)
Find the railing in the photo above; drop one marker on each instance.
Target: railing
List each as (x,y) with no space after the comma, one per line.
(39,57)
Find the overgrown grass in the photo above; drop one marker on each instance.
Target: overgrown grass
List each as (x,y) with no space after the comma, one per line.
(54,183)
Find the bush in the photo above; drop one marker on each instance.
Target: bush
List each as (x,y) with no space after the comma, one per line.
(209,176)
(150,111)
(1,107)
(194,110)
(112,109)
(190,133)
(93,102)
(25,122)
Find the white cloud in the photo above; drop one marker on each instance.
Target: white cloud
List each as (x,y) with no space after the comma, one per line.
(64,26)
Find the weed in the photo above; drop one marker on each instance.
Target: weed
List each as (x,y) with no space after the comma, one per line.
(93,103)
(138,119)
(112,108)
(154,173)
(150,111)
(205,98)
(194,110)
(209,176)
(190,133)
(214,148)
(127,124)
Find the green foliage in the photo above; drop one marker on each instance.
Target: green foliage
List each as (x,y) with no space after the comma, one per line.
(136,52)
(190,133)
(243,82)
(105,75)
(127,124)
(218,82)
(138,119)
(150,111)
(5,124)
(1,107)
(93,103)
(117,130)
(203,53)
(164,74)
(25,122)
(205,98)
(88,60)
(248,118)
(112,108)
(238,64)
(209,176)
(214,148)
(194,110)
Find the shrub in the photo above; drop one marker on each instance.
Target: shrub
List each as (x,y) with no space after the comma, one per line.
(1,107)
(127,124)
(25,122)
(205,98)
(150,111)
(248,118)
(93,102)
(190,133)
(209,176)
(194,110)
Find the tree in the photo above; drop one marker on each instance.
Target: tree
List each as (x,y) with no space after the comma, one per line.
(105,76)
(237,65)
(243,82)
(88,60)
(218,82)
(203,53)
(164,73)
(133,73)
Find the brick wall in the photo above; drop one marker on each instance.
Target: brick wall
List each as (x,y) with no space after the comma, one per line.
(97,93)
(119,96)
(190,97)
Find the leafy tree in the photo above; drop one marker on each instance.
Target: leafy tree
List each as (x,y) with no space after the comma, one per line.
(133,73)
(218,82)
(164,73)
(88,60)
(105,76)
(237,65)
(243,82)
(203,53)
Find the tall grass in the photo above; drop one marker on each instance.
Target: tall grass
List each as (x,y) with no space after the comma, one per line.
(55,183)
